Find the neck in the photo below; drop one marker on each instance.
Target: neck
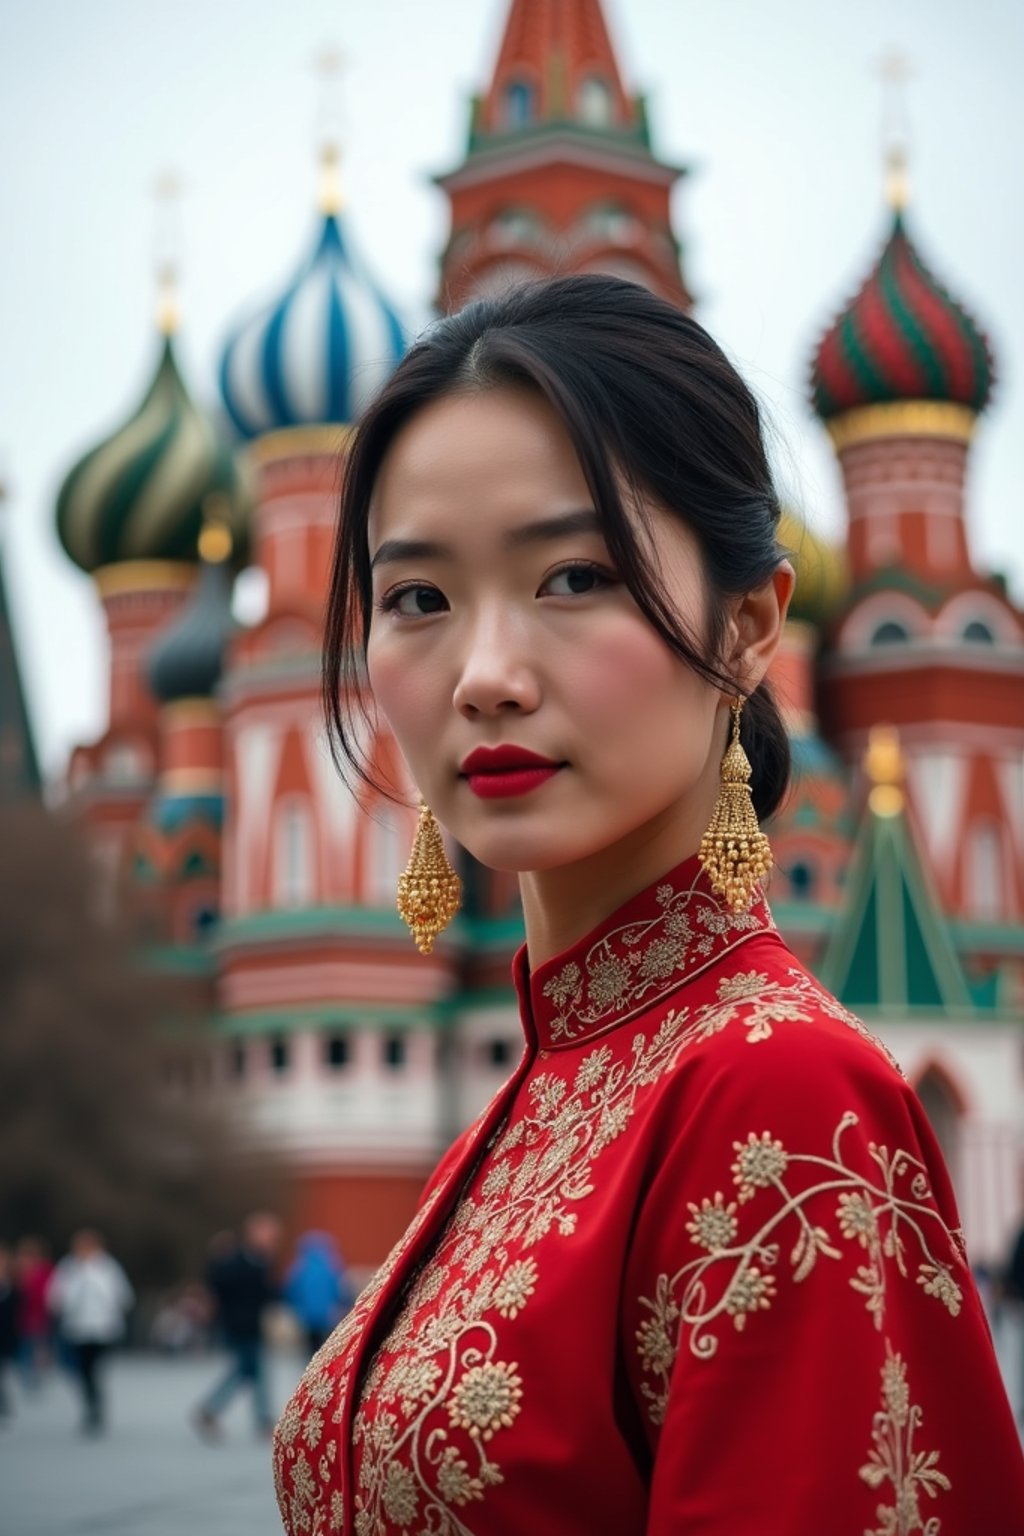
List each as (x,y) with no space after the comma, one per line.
(561,906)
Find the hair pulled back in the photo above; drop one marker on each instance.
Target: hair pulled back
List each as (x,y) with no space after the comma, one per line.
(651,403)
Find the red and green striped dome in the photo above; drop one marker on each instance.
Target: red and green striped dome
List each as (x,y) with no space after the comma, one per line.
(904,337)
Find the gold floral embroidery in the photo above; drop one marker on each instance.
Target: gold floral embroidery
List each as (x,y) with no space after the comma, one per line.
(735,1277)
(301,1499)
(482,1273)
(894,1460)
(643,959)
(714,1223)
(444,1341)
(486,1267)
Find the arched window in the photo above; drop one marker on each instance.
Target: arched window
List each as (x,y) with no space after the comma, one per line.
(943,1111)
(395,1050)
(519,104)
(516,226)
(978,633)
(802,880)
(293,855)
(608,221)
(204,920)
(984,873)
(890,633)
(337,1050)
(595,102)
(124,763)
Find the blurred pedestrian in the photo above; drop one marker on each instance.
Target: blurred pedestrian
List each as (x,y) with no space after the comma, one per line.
(243,1287)
(317,1287)
(90,1295)
(32,1271)
(8,1328)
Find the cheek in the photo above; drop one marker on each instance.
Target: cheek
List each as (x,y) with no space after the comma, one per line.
(403,694)
(628,684)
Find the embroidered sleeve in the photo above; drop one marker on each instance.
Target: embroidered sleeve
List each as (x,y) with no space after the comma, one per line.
(805,1344)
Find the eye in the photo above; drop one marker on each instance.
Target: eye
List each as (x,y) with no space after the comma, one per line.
(414,601)
(577,579)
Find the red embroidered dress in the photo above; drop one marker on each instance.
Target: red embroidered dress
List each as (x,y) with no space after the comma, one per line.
(695,1270)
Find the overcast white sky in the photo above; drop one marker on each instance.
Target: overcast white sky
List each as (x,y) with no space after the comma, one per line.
(775,104)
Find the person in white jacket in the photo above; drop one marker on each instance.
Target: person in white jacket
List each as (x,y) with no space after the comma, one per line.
(90,1295)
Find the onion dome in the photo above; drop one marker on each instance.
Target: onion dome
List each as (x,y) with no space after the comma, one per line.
(139,494)
(821,574)
(187,659)
(320,352)
(903,337)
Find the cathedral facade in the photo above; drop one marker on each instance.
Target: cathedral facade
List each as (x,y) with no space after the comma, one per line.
(266,888)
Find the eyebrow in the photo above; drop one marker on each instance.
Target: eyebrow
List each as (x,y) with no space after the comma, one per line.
(544,530)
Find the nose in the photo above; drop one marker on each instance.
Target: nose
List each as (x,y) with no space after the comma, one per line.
(496,676)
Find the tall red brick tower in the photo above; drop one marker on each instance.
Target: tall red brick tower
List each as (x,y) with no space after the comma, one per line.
(924,642)
(559,174)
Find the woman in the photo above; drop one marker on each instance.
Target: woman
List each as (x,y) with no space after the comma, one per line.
(697,1267)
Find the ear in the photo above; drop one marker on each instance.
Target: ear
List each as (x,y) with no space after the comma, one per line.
(756,625)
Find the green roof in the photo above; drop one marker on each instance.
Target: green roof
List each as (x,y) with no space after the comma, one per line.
(891,951)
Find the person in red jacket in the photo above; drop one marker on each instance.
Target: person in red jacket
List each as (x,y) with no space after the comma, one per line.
(697,1268)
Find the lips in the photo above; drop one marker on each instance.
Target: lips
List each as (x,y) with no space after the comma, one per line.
(497,772)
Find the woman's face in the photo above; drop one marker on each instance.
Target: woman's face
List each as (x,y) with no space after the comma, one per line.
(499,620)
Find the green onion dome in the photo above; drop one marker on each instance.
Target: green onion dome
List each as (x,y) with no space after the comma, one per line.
(139,494)
(187,659)
(902,337)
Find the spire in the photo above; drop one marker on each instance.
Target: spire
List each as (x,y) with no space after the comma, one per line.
(19,767)
(559,174)
(892,952)
(330,65)
(556,64)
(167,244)
(895,71)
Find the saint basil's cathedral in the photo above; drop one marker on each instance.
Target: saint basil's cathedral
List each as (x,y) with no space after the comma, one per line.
(264,889)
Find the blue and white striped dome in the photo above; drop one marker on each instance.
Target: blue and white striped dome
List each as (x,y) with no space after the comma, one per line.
(320,353)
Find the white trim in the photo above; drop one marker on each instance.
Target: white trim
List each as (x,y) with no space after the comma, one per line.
(913,655)
(984,606)
(488,165)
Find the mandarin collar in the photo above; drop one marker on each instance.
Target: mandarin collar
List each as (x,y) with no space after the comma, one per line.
(655,943)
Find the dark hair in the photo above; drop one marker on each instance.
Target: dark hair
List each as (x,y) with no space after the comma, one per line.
(648,399)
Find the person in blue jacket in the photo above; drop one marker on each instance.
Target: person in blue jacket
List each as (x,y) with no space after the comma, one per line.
(317,1287)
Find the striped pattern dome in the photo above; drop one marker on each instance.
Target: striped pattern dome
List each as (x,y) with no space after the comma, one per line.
(317,355)
(140,494)
(903,337)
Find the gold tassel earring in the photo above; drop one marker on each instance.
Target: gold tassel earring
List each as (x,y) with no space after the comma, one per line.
(429,890)
(734,851)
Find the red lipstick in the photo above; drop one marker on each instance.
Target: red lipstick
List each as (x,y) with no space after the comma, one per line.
(496,772)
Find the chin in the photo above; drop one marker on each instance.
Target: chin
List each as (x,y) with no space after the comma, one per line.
(520,851)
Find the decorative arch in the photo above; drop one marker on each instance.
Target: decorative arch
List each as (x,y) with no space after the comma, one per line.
(945,1104)
(516,225)
(981,611)
(881,609)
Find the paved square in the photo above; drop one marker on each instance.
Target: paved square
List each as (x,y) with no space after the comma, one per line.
(149,1474)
